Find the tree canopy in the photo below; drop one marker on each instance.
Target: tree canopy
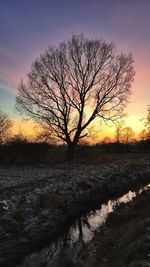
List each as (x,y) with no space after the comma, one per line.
(73,83)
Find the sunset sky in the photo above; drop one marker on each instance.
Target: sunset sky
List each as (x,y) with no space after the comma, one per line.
(27,27)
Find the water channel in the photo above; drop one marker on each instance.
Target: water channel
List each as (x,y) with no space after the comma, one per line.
(81,232)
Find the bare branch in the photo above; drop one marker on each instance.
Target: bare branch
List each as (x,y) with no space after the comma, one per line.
(68,79)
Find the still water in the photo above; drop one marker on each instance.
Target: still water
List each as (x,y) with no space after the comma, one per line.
(81,232)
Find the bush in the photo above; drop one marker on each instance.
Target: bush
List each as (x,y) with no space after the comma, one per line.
(23,152)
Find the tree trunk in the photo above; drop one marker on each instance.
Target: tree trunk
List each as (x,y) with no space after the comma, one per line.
(70,152)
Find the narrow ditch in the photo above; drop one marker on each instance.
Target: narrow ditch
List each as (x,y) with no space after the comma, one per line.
(72,242)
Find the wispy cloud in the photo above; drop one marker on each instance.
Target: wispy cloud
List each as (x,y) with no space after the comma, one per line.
(10,87)
(4,52)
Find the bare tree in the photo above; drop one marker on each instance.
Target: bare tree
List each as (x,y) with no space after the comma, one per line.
(72,84)
(118,131)
(5,126)
(145,133)
(44,135)
(147,123)
(106,140)
(128,134)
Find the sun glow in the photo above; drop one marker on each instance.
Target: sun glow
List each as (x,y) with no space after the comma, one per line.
(26,129)
(96,132)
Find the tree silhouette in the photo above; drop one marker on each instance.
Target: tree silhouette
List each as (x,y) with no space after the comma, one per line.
(128,134)
(145,133)
(147,123)
(72,84)
(118,132)
(5,125)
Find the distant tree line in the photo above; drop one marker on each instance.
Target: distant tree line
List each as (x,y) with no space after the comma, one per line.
(123,134)
(17,149)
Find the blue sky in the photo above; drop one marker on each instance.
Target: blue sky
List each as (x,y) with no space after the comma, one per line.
(27,27)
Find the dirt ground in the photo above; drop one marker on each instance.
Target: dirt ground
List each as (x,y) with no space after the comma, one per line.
(37,203)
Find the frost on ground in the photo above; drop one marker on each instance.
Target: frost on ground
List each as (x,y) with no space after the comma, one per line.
(36,202)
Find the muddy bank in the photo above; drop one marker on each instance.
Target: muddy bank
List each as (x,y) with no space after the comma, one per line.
(124,240)
(37,205)
(72,246)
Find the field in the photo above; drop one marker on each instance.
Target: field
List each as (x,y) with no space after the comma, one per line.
(39,202)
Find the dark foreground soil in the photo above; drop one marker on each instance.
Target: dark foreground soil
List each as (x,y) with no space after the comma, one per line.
(38,204)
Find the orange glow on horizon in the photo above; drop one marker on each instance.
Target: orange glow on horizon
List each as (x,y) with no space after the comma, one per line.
(26,128)
(97,133)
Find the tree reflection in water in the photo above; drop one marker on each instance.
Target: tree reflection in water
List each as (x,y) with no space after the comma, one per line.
(66,249)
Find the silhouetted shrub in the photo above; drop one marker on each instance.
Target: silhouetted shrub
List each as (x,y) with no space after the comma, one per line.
(20,151)
(23,152)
